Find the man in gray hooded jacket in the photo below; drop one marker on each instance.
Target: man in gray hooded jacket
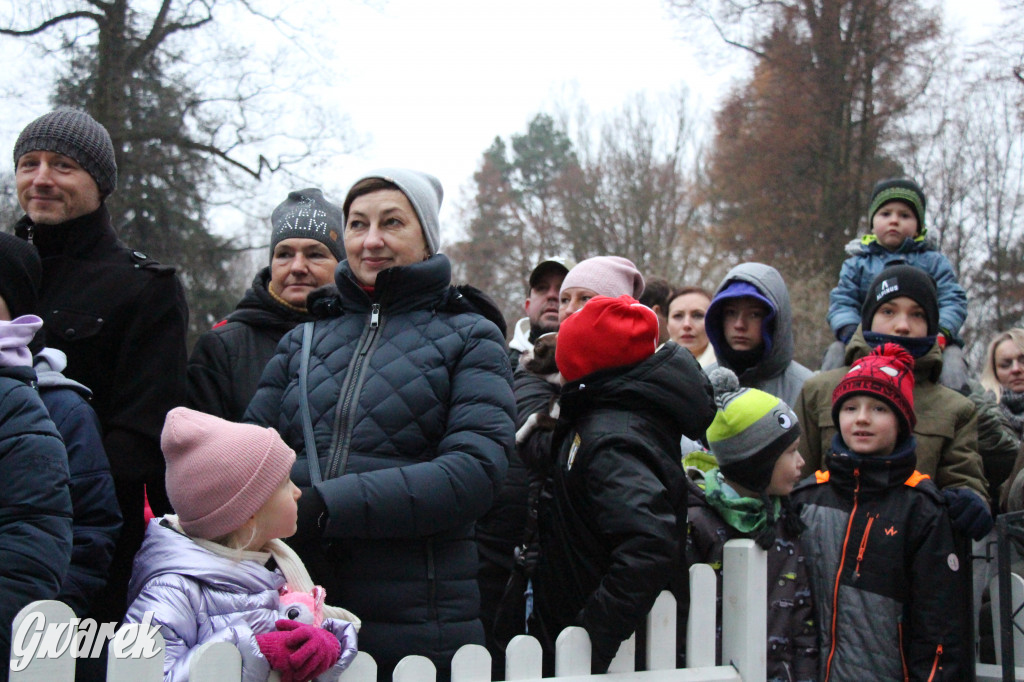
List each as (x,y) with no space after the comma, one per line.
(750,325)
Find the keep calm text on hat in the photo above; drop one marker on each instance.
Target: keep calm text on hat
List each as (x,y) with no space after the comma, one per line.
(307,214)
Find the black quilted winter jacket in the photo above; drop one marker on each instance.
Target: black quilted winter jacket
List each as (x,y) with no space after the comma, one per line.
(412,412)
(613,530)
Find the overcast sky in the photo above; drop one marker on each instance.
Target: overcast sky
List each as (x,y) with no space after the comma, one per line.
(429,85)
(432,83)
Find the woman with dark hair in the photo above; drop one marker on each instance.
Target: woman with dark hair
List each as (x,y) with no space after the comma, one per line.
(406,397)
(687,307)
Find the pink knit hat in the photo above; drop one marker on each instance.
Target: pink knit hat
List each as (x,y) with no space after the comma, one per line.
(611,276)
(219,473)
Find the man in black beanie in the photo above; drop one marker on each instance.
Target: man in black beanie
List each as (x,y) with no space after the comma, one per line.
(227,361)
(118,315)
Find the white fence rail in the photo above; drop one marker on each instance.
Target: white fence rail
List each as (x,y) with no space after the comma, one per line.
(743,642)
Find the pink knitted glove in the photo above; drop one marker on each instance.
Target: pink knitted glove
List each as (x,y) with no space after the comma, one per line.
(274,646)
(313,649)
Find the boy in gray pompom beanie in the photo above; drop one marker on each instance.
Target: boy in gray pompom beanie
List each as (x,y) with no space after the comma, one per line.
(423,191)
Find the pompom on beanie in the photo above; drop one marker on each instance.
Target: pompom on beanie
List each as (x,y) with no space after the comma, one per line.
(423,191)
(898,189)
(750,432)
(902,280)
(886,373)
(77,135)
(610,276)
(307,214)
(605,333)
(219,473)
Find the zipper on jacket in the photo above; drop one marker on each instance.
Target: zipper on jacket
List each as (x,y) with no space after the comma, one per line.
(903,657)
(353,385)
(935,663)
(839,573)
(864,544)
(30,232)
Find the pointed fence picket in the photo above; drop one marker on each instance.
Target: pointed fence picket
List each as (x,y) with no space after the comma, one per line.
(744,642)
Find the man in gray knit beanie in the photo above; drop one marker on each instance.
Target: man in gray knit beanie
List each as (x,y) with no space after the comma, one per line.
(119,316)
(55,158)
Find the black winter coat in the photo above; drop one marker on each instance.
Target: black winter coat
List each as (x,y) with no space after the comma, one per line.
(412,412)
(121,319)
(613,531)
(890,590)
(35,505)
(227,361)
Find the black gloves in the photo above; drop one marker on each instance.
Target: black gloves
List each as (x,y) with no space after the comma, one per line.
(312,517)
(968,512)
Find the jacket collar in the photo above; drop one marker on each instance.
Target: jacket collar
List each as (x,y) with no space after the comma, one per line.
(404,287)
(259,309)
(74,237)
(927,368)
(874,473)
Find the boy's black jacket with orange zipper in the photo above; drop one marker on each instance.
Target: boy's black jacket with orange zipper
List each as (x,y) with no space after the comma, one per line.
(889,585)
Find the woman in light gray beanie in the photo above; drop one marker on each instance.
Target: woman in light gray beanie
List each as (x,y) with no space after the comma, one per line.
(408,390)
(423,191)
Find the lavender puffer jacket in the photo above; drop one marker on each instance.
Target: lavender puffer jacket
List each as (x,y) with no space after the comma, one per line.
(198,597)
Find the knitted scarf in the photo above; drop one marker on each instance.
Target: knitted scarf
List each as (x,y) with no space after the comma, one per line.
(288,563)
(1012,404)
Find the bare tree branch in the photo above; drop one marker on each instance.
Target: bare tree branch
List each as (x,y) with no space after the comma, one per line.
(51,22)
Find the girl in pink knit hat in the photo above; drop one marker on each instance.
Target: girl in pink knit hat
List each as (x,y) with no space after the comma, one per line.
(216,571)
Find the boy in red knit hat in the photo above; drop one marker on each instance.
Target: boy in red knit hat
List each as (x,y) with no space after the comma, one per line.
(879,543)
(613,517)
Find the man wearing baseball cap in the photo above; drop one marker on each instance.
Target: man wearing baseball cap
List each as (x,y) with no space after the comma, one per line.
(541,306)
(118,315)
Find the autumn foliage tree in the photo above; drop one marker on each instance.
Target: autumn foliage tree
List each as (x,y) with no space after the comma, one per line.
(799,145)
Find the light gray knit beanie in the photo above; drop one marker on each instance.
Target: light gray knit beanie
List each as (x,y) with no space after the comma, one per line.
(423,191)
(77,135)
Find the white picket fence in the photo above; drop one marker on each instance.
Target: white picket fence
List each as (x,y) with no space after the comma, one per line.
(744,641)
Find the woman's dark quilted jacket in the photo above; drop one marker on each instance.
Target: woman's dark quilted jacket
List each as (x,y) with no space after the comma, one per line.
(412,410)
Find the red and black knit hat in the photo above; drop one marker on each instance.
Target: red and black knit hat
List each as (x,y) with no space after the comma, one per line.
(605,333)
(887,373)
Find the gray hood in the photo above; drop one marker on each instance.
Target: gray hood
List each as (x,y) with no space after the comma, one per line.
(49,363)
(772,288)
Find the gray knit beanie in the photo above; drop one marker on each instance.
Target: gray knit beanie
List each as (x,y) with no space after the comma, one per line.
(306,214)
(423,191)
(77,135)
